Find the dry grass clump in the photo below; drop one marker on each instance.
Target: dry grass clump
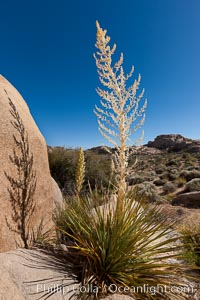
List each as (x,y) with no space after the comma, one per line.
(190,231)
(180,181)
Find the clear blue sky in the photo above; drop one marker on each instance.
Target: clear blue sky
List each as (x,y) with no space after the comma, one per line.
(47,53)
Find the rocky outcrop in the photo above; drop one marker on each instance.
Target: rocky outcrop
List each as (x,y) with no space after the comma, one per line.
(189,200)
(174,142)
(148,151)
(57,195)
(30,274)
(101,150)
(45,192)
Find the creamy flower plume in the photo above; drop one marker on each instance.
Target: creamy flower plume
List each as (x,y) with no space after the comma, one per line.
(120,113)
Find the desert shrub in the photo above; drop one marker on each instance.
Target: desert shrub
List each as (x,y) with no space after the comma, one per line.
(62,163)
(148,191)
(164,176)
(129,250)
(159,182)
(186,155)
(151,173)
(189,175)
(172,162)
(193,185)
(149,176)
(169,187)
(158,160)
(135,179)
(189,163)
(159,170)
(191,241)
(172,175)
(132,160)
(98,169)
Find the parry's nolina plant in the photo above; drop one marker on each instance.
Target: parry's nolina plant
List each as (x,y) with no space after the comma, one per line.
(119,253)
(120,114)
(121,243)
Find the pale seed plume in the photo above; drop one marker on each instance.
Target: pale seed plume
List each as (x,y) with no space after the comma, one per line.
(120,113)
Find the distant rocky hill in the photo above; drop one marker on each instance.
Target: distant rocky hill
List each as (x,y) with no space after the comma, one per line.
(101,150)
(174,143)
(163,142)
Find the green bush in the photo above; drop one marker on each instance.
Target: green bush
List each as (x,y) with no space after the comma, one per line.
(126,250)
(98,169)
(62,163)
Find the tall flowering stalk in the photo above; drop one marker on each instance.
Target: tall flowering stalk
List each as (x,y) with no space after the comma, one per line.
(80,171)
(120,113)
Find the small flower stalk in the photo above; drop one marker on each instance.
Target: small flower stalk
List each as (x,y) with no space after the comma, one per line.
(80,171)
(120,113)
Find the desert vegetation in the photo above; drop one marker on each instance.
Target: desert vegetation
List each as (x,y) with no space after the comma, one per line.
(121,220)
(191,239)
(112,231)
(166,173)
(63,165)
(123,242)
